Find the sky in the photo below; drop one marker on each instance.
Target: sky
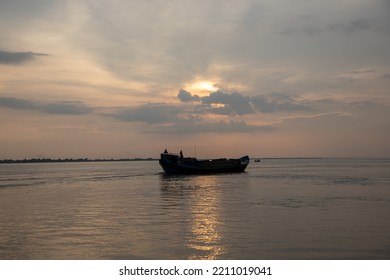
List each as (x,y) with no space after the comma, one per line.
(129,78)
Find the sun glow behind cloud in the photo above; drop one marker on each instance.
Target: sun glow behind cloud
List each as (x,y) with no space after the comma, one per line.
(201,87)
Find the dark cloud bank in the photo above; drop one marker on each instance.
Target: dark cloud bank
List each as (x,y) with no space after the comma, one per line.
(61,107)
(238,104)
(189,118)
(16,58)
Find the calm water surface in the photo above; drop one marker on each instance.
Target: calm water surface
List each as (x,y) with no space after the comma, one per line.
(278,209)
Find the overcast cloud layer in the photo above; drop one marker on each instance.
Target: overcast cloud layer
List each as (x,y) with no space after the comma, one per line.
(130,78)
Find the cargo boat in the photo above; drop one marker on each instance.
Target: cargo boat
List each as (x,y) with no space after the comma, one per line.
(177,164)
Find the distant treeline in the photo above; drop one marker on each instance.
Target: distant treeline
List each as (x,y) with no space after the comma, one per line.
(44,160)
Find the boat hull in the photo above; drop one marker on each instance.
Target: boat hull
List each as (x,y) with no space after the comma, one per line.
(173,164)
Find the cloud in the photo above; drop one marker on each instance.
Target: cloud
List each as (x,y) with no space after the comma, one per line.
(349,79)
(386,76)
(310,31)
(23,9)
(353,26)
(65,108)
(222,103)
(235,102)
(17,58)
(166,118)
(186,96)
(188,127)
(354,75)
(363,71)
(16,103)
(278,102)
(61,107)
(222,127)
(149,113)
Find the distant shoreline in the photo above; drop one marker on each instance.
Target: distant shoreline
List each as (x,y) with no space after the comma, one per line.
(48,160)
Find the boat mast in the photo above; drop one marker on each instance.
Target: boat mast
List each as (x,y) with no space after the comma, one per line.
(195,150)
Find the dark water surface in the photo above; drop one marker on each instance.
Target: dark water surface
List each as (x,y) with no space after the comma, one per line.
(278,209)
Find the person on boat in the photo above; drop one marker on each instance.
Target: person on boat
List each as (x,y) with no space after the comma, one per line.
(165,151)
(181,154)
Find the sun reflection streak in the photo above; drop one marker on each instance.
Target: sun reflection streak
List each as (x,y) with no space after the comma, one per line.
(205,230)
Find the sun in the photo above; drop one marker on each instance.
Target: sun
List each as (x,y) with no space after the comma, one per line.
(206,86)
(202,87)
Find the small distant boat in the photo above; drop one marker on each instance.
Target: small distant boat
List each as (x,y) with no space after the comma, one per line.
(177,164)
(257,160)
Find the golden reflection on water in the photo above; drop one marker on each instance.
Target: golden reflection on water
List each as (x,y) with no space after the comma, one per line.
(205,234)
(199,199)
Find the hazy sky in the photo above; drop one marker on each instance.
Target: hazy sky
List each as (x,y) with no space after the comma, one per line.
(126,78)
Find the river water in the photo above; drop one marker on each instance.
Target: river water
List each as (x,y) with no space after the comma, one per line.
(278,209)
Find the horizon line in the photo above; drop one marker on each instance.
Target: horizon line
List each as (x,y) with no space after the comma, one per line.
(86,159)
